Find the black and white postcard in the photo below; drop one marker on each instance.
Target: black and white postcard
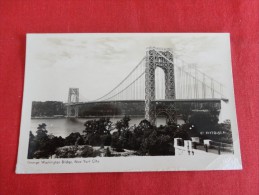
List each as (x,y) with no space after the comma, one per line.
(120,102)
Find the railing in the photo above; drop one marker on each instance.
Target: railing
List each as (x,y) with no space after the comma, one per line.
(188,147)
(220,146)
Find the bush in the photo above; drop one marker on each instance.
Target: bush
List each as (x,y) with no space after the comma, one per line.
(117,142)
(43,145)
(108,153)
(97,132)
(73,152)
(66,152)
(87,151)
(157,144)
(73,139)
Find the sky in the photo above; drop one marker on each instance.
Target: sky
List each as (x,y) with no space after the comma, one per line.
(96,63)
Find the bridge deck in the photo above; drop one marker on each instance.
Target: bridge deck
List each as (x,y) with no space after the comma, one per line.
(162,100)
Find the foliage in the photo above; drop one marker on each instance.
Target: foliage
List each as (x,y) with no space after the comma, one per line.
(74,139)
(88,151)
(143,138)
(159,144)
(66,152)
(204,120)
(145,125)
(122,124)
(47,109)
(159,141)
(222,133)
(41,131)
(108,153)
(226,127)
(117,142)
(43,145)
(32,146)
(186,112)
(186,131)
(208,122)
(97,132)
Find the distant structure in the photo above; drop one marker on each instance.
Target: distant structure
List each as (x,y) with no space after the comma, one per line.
(73,97)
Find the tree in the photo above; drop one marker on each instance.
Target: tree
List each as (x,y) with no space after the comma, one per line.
(190,129)
(108,153)
(88,152)
(128,139)
(168,129)
(97,132)
(157,144)
(52,144)
(117,142)
(226,127)
(186,112)
(182,133)
(204,121)
(41,131)
(74,138)
(122,124)
(140,135)
(32,146)
(48,108)
(144,125)
(223,133)
(43,145)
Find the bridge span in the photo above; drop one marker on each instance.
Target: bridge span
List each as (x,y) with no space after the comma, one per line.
(135,101)
(182,89)
(116,108)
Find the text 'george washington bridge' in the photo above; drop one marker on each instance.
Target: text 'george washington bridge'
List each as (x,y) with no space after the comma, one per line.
(162,84)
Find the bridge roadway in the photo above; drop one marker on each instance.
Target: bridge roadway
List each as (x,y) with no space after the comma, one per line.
(211,100)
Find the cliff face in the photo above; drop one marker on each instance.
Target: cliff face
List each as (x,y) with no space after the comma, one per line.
(47,109)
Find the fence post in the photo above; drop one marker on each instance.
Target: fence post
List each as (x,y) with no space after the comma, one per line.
(206,147)
(194,145)
(219,149)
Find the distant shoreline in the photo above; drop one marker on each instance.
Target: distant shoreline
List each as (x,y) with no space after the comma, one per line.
(85,117)
(47,117)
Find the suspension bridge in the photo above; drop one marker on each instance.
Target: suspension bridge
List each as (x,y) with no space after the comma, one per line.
(161,83)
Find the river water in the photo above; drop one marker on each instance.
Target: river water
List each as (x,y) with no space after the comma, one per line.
(63,126)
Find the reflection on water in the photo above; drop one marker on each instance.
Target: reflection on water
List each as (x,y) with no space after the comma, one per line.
(63,126)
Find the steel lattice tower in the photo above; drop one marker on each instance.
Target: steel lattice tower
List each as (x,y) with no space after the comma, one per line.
(73,97)
(157,57)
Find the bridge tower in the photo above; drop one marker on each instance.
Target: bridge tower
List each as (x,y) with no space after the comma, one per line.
(163,58)
(73,97)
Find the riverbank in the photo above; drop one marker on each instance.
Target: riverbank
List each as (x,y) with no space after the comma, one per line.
(47,117)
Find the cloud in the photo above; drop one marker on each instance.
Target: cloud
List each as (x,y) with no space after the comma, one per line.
(96,63)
